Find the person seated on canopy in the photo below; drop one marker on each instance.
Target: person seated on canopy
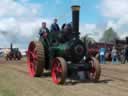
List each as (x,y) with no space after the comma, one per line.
(55,27)
(67,31)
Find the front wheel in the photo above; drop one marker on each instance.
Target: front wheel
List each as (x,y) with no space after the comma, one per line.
(95,70)
(59,70)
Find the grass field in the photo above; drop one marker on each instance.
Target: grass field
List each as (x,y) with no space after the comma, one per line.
(15,81)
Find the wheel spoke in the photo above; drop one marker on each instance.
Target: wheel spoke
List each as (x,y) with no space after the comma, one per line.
(94,72)
(34,54)
(57,70)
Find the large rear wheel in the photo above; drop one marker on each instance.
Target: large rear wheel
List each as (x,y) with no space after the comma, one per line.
(35,58)
(95,70)
(59,70)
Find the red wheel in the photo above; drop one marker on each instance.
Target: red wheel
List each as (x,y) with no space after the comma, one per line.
(95,71)
(35,58)
(18,56)
(59,70)
(97,56)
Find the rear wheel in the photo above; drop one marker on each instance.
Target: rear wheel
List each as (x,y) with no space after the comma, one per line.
(59,70)
(35,58)
(95,70)
(97,56)
(18,56)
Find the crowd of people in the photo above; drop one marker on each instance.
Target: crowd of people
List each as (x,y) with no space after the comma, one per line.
(116,55)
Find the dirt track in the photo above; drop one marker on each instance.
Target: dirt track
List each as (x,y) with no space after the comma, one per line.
(14,81)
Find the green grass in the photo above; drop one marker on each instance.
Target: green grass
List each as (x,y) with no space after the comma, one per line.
(6,92)
(7,86)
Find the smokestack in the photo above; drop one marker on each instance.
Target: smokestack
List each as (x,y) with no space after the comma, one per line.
(126,40)
(75,19)
(11,46)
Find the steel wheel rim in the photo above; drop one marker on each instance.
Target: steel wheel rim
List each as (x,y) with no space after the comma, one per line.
(56,71)
(92,71)
(31,59)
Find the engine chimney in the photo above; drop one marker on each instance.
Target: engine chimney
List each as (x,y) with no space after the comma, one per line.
(11,46)
(75,19)
(126,40)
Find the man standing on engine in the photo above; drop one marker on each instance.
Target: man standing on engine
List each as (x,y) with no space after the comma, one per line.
(43,31)
(55,26)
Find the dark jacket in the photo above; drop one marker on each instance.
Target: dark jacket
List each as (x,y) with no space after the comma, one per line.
(41,31)
(126,51)
(55,28)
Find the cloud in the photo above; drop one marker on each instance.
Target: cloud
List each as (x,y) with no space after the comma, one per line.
(20,32)
(114,8)
(19,22)
(92,30)
(15,9)
(116,11)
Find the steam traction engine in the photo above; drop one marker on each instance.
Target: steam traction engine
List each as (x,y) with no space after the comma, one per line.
(65,58)
(13,54)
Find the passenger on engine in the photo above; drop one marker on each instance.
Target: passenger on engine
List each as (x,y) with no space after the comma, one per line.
(67,31)
(68,27)
(43,31)
(55,26)
(62,27)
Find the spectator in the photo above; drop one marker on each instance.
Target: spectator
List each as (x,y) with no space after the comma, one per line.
(102,55)
(114,56)
(126,54)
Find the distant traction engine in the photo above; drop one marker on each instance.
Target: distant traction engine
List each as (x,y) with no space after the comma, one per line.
(14,54)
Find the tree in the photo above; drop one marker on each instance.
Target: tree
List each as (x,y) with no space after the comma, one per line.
(109,35)
(88,39)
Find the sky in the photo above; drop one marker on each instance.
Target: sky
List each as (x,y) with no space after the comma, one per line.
(20,20)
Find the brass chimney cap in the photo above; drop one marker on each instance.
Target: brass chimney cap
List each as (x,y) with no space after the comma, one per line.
(75,7)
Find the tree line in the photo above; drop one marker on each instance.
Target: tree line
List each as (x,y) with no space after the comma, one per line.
(109,36)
